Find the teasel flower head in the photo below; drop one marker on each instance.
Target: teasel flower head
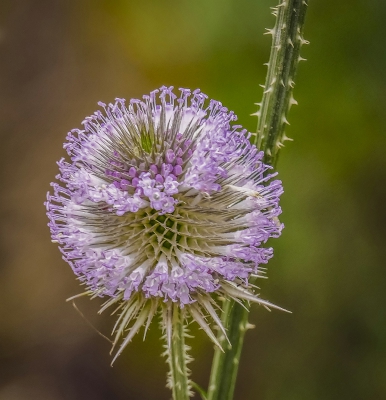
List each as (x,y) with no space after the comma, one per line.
(164,203)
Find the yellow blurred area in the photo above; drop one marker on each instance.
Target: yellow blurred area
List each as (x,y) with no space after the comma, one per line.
(58,58)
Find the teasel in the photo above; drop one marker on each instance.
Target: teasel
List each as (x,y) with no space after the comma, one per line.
(163,208)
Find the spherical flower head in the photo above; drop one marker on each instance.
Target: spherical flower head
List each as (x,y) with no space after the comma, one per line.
(164,201)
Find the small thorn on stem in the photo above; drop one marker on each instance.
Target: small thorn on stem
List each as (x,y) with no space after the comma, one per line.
(284,120)
(269,31)
(284,138)
(293,101)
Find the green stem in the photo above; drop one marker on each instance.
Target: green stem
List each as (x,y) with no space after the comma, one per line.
(178,358)
(277,100)
(225,365)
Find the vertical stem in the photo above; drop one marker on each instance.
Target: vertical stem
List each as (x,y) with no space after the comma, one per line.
(277,99)
(225,365)
(177,358)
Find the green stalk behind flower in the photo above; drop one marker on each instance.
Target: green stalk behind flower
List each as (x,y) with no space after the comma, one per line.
(277,99)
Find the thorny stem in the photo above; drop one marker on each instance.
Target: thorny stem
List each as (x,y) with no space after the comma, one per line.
(177,357)
(277,99)
(225,365)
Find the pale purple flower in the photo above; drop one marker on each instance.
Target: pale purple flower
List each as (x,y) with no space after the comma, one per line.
(164,201)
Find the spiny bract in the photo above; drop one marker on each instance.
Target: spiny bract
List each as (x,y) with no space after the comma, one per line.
(162,202)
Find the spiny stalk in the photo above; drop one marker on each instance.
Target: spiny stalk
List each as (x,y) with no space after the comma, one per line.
(287,39)
(177,352)
(227,363)
(277,99)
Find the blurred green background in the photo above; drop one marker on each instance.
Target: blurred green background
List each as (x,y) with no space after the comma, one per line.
(58,58)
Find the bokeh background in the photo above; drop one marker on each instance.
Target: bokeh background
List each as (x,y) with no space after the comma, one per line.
(58,58)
